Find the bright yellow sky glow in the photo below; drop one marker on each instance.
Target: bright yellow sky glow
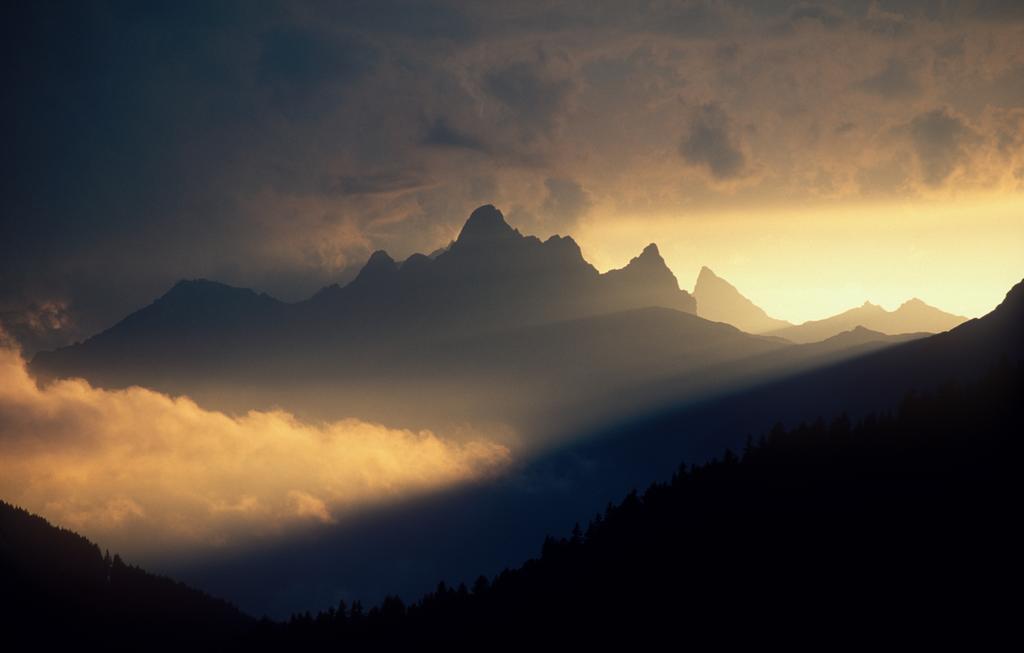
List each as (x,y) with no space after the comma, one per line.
(960,256)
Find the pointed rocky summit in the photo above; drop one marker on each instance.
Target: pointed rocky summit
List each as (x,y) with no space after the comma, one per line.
(719,301)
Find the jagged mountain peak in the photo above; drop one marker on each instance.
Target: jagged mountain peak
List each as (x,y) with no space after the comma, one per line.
(486,223)
(649,260)
(380,259)
(707,280)
(415,262)
(191,290)
(913,301)
(379,265)
(651,250)
(912,316)
(195,285)
(720,301)
(707,274)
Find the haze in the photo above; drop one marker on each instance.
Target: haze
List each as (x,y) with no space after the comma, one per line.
(308,300)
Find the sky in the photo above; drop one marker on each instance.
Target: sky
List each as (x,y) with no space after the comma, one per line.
(815,155)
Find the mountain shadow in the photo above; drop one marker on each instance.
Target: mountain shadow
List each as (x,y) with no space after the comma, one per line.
(487,526)
(890,524)
(828,533)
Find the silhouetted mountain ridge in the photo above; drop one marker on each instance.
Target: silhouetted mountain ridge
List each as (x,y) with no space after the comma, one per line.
(490,280)
(719,301)
(912,316)
(60,588)
(820,531)
(492,276)
(941,437)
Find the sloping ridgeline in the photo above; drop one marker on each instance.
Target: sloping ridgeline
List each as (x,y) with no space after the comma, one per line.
(900,525)
(897,528)
(59,589)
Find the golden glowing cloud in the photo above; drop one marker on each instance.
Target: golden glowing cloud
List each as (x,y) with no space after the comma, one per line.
(146,473)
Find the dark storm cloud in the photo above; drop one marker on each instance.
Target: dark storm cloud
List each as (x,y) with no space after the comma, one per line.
(889,25)
(996,9)
(293,58)
(565,204)
(827,17)
(133,131)
(690,19)
(442,134)
(533,97)
(710,143)
(941,142)
(1007,90)
(895,81)
(422,19)
(276,144)
(374,184)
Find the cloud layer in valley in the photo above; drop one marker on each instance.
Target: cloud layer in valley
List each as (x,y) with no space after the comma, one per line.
(147,474)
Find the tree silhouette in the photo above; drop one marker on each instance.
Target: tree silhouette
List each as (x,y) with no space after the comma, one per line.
(898,527)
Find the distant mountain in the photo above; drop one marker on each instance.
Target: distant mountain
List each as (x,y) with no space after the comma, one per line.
(479,529)
(913,316)
(484,527)
(860,515)
(372,348)
(60,588)
(719,301)
(491,278)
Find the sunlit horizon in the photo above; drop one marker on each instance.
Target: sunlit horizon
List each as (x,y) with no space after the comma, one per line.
(812,263)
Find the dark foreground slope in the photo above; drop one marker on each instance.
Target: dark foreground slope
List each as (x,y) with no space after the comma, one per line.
(897,528)
(462,532)
(58,588)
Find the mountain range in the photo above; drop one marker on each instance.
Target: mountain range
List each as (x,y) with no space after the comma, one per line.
(496,326)
(639,388)
(720,301)
(481,528)
(861,509)
(912,316)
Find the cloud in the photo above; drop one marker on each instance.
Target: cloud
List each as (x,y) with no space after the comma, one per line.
(442,134)
(374,183)
(805,12)
(37,323)
(942,143)
(710,143)
(535,99)
(895,81)
(270,144)
(146,473)
(997,10)
(566,202)
(295,57)
(699,19)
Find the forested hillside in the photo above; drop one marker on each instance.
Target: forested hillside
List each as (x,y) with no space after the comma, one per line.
(900,525)
(60,589)
(831,532)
